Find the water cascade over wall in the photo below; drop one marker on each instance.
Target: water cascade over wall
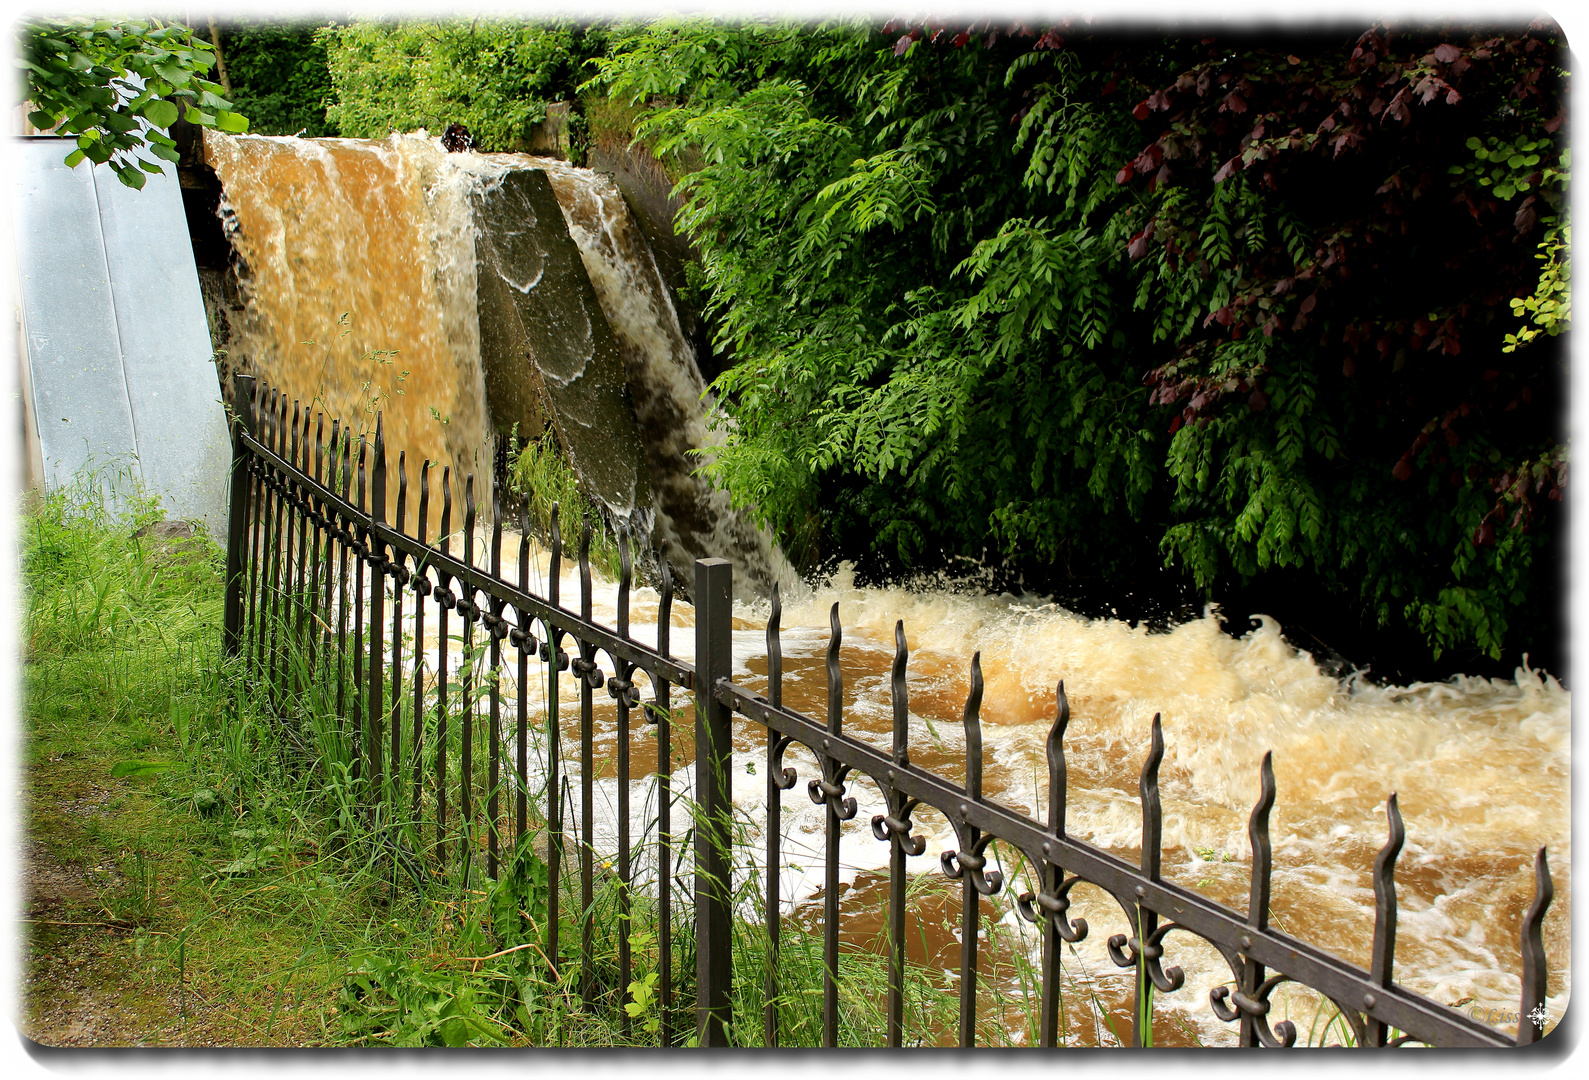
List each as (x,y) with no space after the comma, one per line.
(440,290)
(357,261)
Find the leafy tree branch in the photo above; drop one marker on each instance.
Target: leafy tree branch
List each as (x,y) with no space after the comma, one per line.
(118,86)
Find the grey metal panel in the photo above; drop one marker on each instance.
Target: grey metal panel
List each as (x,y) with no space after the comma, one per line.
(166,350)
(80,397)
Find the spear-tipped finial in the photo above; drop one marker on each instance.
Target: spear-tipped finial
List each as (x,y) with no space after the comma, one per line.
(973,725)
(1055,747)
(1258,836)
(1532,1013)
(835,676)
(1152,809)
(901,695)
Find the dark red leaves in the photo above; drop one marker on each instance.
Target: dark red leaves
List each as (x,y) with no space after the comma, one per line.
(1403,469)
(1258,402)
(1525,217)
(1226,171)
(1158,101)
(1446,52)
(1050,40)
(1138,246)
(1124,175)
(1234,102)
(1309,302)
(964,36)
(904,43)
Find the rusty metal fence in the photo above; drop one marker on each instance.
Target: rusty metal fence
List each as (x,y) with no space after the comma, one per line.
(319,558)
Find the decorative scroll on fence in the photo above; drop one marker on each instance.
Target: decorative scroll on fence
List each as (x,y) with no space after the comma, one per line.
(312,561)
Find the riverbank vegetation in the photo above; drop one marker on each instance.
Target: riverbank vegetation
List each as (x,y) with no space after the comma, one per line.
(1241,306)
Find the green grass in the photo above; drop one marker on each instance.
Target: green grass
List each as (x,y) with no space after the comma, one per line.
(124,725)
(242,893)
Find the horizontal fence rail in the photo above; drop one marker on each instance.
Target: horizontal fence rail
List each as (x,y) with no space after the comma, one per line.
(317,583)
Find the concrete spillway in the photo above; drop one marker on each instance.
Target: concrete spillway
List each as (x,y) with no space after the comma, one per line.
(465,296)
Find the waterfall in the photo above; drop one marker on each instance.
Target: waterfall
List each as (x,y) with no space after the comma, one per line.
(389,275)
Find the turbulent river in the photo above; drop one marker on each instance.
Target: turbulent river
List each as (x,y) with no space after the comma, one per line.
(1481,767)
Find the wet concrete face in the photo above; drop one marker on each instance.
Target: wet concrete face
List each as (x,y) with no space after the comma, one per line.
(671,400)
(546,347)
(648,190)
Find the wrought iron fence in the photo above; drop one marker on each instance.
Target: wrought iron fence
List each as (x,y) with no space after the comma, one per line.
(312,561)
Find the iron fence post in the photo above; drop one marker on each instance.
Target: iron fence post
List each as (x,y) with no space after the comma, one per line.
(714,797)
(237,522)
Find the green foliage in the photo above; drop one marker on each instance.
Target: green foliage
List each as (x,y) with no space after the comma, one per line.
(119,86)
(1550,306)
(494,76)
(280,76)
(539,474)
(396,1002)
(945,262)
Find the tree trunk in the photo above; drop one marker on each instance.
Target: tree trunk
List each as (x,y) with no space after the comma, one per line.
(220,62)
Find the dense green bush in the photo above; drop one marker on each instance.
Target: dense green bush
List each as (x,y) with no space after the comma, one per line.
(494,76)
(1238,305)
(118,87)
(279,76)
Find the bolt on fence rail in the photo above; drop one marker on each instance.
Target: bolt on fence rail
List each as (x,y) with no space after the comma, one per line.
(308,527)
